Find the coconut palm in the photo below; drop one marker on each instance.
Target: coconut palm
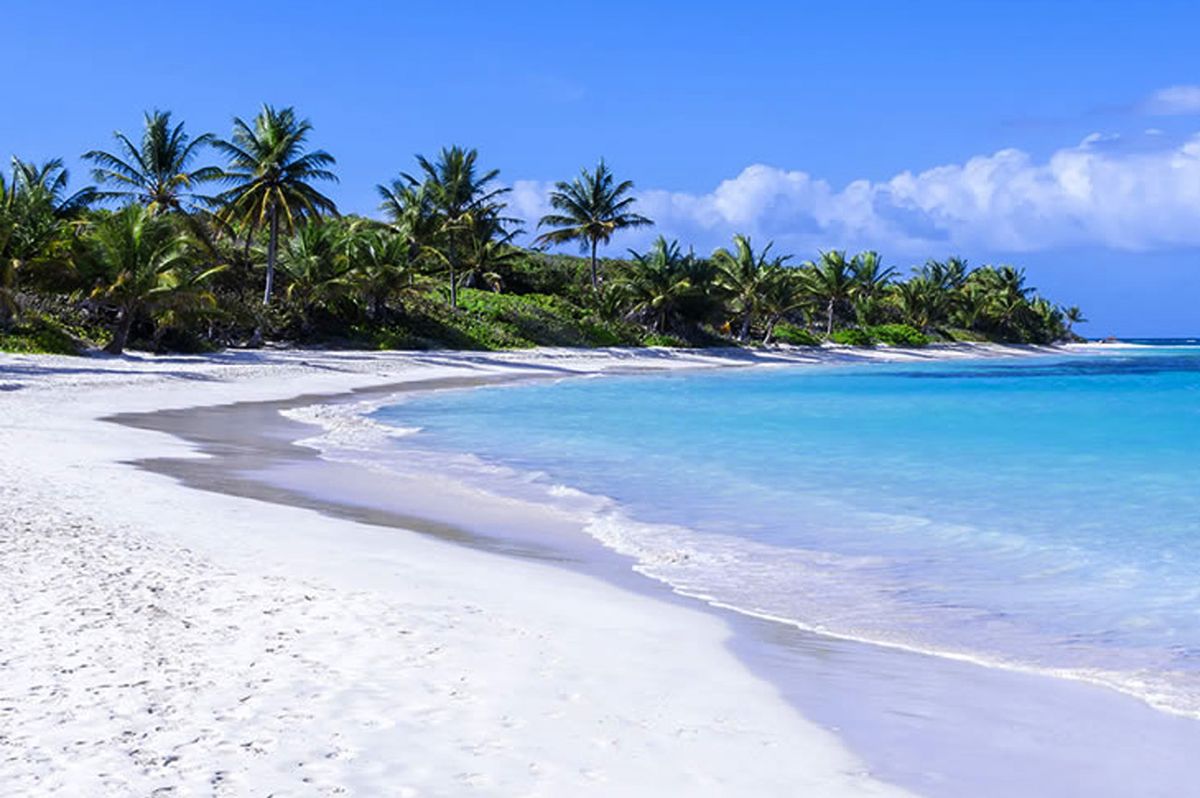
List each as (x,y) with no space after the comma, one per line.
(141,264)
(458,198)
(658,284)
(591,208)
(921,302)
(744,274)
(871,280)
(487,255)
(1045,322)
(46,184)
(8,272)
(951,274)
(157,171)
(316,263)
(36,214)
(783,292)
(272,172)
(1073,315)
(381,266)
(1005,299)
(409,212)
(831,281)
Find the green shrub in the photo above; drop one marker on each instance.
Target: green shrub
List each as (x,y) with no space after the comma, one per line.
(796,336)
(487,320)
(659,339)
(958,334)
(41,336)
(898,335)
(852,337)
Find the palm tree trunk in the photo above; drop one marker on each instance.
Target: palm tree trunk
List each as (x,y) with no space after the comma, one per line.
(121,332)
(745,327)
(595,276)
(770,330)
(453,281)
(7,310)
(829,318)
(9,305)
(272,247)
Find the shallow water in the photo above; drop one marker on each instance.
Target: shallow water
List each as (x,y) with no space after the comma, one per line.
(1036,515)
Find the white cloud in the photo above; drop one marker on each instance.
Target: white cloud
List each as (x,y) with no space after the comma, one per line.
(1103,192)
(529,200)
(1173,101)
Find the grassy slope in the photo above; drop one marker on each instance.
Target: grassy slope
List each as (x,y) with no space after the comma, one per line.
(41,335)
(487,320)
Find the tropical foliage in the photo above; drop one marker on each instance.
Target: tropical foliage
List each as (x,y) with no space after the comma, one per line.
(191,242)
(589,210)
(272,172)
(155,173)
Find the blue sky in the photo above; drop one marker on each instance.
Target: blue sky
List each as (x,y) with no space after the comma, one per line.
(1059,136)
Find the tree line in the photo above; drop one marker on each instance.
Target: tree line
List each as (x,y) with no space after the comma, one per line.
(169,251)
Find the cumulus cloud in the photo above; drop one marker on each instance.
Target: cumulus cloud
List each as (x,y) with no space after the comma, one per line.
(1103,192)
(1173,101)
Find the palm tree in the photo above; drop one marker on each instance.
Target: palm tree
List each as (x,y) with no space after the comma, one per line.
(1073,316)
(591,208)
(871,280)
(458,198)
(744,275)
(922,303)
(1044,322)
(36,214)
(782,293)
(317,265)
(951,274)
(409,212)
(487,255)
(141,262)
(47,185)
(659,283)
(381,266)
(157,171)
(8,271)
(831,281)
(272,174)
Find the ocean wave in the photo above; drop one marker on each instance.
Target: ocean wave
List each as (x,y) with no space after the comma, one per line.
(347,425)
(831,595)
(848,597)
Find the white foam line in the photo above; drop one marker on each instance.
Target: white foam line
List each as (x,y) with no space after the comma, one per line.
(357,414)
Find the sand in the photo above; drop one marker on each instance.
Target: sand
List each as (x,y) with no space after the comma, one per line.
(156,639)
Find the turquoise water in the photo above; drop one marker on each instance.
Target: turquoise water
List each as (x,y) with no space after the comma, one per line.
(1036,514)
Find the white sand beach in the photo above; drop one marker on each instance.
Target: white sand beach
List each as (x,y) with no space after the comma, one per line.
(156,639)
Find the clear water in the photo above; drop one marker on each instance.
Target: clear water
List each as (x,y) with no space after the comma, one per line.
(1039,514)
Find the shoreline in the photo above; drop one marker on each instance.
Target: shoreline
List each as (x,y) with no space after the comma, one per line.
(328,373)
(170,638)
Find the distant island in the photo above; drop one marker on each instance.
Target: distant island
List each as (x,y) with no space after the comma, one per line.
(170,252)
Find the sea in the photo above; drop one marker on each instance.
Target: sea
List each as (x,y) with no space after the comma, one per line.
(1035,514)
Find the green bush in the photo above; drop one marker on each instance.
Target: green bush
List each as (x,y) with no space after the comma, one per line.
(658,339)
(40,336)
(959,335)
(898,335)
(852,337)
(487,320)
(796,336)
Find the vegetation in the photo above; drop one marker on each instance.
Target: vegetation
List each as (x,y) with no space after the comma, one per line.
(272,176)
(196,242)
(590,209)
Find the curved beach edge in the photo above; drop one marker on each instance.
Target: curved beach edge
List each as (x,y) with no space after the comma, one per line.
(168,637)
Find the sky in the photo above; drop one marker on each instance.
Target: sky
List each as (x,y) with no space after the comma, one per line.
(1060,136)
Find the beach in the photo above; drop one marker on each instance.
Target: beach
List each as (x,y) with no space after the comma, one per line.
(160,637)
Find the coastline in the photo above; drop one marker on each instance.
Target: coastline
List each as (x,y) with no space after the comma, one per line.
(275,559)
